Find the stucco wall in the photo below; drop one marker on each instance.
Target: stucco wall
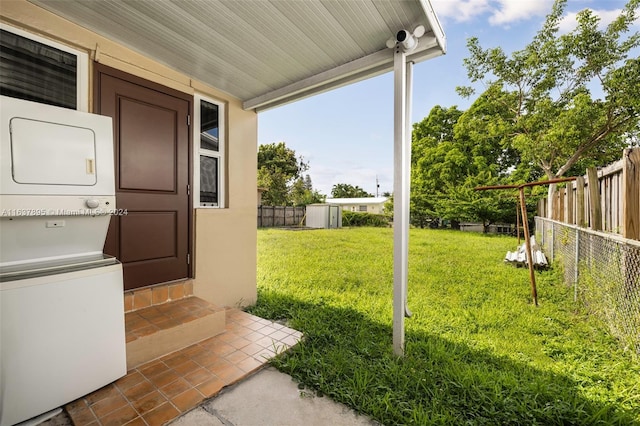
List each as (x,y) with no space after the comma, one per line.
(225,239)
(375,208)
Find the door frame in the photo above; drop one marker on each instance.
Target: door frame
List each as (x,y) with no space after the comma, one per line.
(101,69)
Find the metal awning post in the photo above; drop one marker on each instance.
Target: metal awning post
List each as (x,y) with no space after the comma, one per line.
(402,179)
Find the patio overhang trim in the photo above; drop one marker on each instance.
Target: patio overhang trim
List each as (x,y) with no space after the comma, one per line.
(351,72)
(434,25)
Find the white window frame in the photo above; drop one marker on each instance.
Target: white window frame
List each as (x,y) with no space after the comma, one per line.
(82,70)
(220,154)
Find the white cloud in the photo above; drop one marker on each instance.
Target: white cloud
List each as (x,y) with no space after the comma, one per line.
(506,12)
(460,10)
(501,12)
(568,22)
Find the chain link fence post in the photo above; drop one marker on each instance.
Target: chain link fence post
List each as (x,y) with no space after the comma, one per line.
(576,271)
(605,270)
(553,242)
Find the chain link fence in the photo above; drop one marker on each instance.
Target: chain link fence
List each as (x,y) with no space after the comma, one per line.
(604,270)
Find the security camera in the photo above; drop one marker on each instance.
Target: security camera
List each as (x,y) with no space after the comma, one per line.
(402,35)
(406,40)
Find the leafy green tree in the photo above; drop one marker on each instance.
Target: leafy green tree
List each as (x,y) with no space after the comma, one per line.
(429,145)
(387,209)
(307,183)
(455,151)
(303,194)
(277,156)
(464,203)
(275,182)
(551,118)
(344,190)
(278,170)
(434,128)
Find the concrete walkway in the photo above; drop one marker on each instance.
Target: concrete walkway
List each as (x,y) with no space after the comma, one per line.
(270,397)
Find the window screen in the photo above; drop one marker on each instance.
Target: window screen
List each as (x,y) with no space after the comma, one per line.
(33,71)
(208,181)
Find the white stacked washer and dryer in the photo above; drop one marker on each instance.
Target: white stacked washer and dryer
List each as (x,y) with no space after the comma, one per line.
(61,299)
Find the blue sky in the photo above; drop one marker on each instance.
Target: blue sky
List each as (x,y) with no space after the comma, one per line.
(346,135)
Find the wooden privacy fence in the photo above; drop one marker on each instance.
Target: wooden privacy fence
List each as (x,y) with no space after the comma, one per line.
(607,199)
(271,216)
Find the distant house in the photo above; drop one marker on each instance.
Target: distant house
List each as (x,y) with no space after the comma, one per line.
(373,205)
(497,228)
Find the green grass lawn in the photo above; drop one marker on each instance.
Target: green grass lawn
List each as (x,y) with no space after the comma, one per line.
(477,350)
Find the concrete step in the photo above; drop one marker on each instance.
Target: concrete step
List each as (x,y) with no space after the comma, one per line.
(158,330)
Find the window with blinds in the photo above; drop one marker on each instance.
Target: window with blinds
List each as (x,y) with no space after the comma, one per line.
(35,71)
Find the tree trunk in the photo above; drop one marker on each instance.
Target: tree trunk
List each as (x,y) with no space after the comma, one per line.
(546,167)
(550,194)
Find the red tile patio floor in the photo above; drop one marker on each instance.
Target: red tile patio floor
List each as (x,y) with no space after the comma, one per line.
(161,390)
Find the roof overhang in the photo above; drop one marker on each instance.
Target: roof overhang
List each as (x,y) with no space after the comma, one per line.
(265,53)
(351,72)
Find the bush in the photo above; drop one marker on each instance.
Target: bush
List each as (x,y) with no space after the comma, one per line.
(363,219)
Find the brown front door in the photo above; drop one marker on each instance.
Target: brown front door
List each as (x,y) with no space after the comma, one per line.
(151,133)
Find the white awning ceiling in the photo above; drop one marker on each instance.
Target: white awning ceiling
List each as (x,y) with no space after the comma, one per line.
(264,52)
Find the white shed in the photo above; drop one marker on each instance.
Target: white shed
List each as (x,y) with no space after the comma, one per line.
(324,216)
(373,205)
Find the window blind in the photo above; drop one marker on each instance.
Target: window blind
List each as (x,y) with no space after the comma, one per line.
(33,71)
